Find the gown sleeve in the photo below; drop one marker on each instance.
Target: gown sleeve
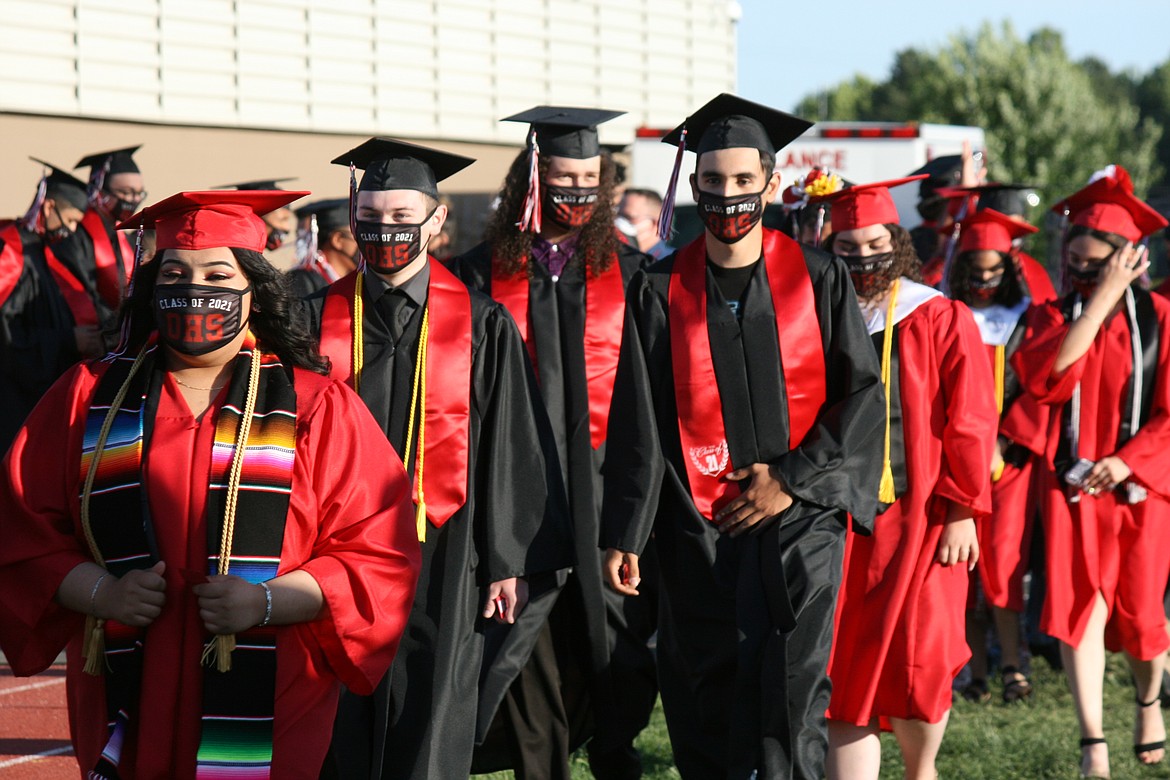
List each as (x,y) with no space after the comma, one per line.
(969,430)
(38,500)
(838,464)
(521,514)
(634,463)
(366,555)
(1035,358)
(1145,452)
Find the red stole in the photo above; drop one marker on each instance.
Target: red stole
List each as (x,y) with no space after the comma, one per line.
(700,418)
(605,308)
(72,290)
(448,396)
(109,285)
(11,261)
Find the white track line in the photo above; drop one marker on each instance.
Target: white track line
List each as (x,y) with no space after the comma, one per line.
(31,686)
(35,756)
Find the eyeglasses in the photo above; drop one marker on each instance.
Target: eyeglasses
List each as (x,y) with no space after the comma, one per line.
(137,196)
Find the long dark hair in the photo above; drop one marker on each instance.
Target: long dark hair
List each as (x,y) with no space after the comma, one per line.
(1010,291)
(1112,239)
(906,262)
(598,239)
(274,318)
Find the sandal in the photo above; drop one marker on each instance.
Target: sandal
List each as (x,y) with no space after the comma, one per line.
(1089,742)
(977,691)
(1149,747)
(1016,685)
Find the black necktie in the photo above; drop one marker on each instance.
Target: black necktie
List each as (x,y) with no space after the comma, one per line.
(396,312)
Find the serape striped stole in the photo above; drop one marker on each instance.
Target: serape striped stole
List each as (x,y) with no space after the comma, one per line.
(238,704)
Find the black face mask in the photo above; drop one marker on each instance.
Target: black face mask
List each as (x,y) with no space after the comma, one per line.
(117,208)
(868,273)
(1084,281)
(59,233)
(569,207)
(730,218)
(195,319)
(984,290)
(390,247)
(276,239)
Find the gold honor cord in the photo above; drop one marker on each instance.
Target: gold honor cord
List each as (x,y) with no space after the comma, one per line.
(358,349)
(220,648)
(418,401)
(93,648)
(886,487)
(1000,367)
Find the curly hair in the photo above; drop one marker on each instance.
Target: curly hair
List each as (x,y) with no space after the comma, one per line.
(906,262)
(512,247)
(1009,292)
(278,326)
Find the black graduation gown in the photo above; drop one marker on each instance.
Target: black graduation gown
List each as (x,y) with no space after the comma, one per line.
(76,253)
(743,690)
(37,343)
(420,723)
(613,665)
(305,281)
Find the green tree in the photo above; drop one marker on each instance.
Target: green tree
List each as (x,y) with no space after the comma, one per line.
(1048,120)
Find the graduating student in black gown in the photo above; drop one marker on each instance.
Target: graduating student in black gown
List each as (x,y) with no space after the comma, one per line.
(563,278)
(746,425)
(442,370)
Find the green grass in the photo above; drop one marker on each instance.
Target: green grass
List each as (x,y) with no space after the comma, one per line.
(1034,740)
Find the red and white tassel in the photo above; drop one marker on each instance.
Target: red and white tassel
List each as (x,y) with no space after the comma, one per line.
(820,225)
(666,217)
(31,221)
(530,216)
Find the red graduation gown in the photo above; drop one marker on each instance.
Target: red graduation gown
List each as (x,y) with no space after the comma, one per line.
(900,638)
(1101,544)
(351,529)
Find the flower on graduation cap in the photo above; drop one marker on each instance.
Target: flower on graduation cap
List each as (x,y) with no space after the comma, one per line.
(815,183)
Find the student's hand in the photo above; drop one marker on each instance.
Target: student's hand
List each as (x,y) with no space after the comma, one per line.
(229,604)
(511,595)
(763,499)
(621,571)
(958,544)
(134,599)
(1106,474)
(1123,268)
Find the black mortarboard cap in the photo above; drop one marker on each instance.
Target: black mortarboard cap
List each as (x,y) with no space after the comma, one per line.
(398,165)
(260,184)
(730,122)
(331,213)
(1012,199)
(565,131)
(121,161)
(945,171)
(64,185)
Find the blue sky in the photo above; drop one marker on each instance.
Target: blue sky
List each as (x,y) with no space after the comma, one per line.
(788,49)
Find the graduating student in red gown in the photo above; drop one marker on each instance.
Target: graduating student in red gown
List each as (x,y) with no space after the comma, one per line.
(442,368)
(986,277)
(563,279)
(745,426)
(48,320)
(1098,357)
(135,523)
(899,639)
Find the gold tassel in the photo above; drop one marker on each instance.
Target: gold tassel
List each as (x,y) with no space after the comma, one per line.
(420,521)
(886,488)
(93,648)
(220,650)
(997,474)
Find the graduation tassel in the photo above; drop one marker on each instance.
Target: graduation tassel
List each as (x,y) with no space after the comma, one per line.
(418,402)
(353,188)
(820,225)
(666,217)
(32,218)
(886,493)
(530,216)
(93,646)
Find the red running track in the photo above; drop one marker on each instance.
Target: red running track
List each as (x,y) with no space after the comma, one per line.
(34,727)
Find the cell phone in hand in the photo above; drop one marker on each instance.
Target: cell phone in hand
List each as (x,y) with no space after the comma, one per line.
(1079,472)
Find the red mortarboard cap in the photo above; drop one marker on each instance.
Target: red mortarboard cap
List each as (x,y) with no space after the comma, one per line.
(203,220)
(863,205)
(1108,205)
(990,230)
